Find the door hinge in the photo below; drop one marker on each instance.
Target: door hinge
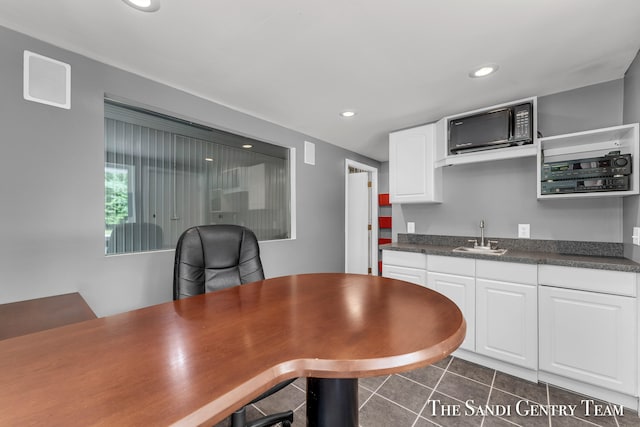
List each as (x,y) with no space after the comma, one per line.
(369,227)
(370,270)
(369,184)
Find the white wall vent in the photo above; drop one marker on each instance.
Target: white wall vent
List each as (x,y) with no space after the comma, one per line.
(46,80)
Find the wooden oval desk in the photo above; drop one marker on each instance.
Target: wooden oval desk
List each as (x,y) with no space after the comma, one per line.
(194,361)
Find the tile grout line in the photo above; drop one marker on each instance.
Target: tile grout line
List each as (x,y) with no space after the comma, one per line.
(470,379)
(589,422)
(447,369)
(493,380)
(433,390)
(304,402)
(396,403)
(418,382)
(546,387)
(373,392)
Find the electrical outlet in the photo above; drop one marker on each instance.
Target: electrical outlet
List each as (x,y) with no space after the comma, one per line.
(411,227)
(636,236)
(524,231)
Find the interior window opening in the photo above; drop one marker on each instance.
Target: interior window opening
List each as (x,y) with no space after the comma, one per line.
(164,175)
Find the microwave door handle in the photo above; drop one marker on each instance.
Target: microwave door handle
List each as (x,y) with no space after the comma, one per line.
(512,127)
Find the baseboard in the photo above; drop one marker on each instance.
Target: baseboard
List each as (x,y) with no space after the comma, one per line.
(607,395)
(507,368)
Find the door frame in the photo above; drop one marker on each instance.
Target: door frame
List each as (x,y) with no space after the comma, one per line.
(373,206)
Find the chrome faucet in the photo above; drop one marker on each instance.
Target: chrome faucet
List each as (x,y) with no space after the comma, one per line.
(491,244)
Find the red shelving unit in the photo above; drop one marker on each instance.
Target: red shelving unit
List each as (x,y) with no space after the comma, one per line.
(384,224)
(384,221)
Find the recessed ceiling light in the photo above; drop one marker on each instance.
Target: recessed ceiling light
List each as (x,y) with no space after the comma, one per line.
(208,159)
(483,71)
(348,113)
(144,5)
(247,146)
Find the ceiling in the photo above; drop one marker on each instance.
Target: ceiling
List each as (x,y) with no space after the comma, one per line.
(300,63)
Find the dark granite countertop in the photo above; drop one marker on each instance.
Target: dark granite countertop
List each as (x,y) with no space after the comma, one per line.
(603,256)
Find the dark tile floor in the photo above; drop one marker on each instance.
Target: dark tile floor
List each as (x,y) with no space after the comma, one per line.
(430,396)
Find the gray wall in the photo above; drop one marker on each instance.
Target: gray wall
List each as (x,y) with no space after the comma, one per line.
(52,188)
(503,193)
(632,115)
(383,178)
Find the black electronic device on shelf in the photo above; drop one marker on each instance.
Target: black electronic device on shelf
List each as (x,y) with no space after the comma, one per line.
(606,173)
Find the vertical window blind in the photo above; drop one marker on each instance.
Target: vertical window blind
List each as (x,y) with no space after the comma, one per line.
(164,175)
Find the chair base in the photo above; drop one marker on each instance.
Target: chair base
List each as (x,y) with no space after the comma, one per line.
(239,419)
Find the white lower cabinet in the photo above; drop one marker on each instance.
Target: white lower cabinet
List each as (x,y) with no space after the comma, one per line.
(455,279)
(507,312)
(589,336)
(576,328)
(407,266)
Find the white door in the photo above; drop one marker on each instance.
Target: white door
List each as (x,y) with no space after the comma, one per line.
(589,337)
(357,223)
(462,291)
(507,322)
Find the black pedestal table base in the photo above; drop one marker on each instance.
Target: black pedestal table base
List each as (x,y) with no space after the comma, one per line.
(332,402)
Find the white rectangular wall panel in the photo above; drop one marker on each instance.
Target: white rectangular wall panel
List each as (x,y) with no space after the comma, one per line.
(47,80)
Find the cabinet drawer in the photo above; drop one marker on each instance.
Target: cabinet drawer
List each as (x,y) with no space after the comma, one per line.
(588,279)
(507,271)
(408,274)
(452,265)
(405,259)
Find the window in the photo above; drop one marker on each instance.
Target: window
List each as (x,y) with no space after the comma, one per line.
(164,175)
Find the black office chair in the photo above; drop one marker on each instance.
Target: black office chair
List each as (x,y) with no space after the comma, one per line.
(213,257)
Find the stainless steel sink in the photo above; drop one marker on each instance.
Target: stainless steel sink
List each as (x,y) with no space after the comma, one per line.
(480,250)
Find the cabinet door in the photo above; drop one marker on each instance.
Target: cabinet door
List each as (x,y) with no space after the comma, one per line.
(413,177)
(413,275)
(506,322)
(462,291)
(589,337)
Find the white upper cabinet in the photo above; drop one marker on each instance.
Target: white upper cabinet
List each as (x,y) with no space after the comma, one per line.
(413,177)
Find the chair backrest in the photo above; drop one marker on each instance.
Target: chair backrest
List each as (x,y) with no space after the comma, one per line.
(212,257)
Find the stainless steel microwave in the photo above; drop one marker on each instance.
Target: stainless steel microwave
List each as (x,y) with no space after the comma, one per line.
(502,127)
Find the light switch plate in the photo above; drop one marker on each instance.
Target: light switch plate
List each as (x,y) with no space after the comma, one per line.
(636,236)
(411,227)
(524,231)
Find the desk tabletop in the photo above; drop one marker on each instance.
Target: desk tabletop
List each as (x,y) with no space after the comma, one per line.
(194,361)
(25,317)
